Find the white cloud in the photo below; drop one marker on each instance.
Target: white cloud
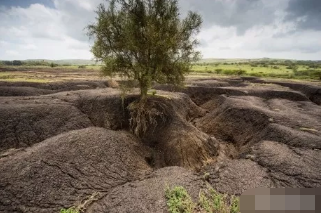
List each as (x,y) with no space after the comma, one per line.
(43,32)
(232,30)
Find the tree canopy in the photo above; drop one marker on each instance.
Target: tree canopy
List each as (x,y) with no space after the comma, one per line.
(145,40)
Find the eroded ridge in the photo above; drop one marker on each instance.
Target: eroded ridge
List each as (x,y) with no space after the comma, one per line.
(61,148)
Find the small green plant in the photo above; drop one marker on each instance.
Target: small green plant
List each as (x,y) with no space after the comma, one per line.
(53,65)
(70,210)
(234,205)
(178,200)
(210,201)
(213,202)
(218,70)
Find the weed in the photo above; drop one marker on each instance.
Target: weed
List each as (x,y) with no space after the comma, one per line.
(5,77)
(178,200)
(234,205)
(70,210)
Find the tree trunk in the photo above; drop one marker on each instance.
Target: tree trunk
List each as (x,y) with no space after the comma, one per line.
(143,89)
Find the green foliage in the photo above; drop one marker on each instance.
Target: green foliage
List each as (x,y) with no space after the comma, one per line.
(70,210)
(218,70)
(316,74)
(234,72)
(53,65)
(262,68)
(145,40)
(214,202)
(82,67)
(179,201)
(17,63)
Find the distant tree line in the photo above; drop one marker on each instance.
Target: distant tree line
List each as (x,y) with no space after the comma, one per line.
(290,64)
(35,63)
(25,63)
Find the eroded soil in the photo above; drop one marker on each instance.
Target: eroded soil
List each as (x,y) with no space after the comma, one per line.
(68,143)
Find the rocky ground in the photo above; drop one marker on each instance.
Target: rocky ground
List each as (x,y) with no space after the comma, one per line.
(68,144)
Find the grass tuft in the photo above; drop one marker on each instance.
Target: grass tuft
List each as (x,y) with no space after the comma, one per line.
(210,201)
(178,200)
(70,210)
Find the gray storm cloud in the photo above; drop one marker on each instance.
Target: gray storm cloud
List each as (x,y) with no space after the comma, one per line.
(307,13)
(242,14)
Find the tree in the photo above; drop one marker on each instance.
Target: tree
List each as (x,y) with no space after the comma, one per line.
(145,40)
(17,63)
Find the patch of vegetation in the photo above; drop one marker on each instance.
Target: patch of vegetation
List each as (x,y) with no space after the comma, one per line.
(5,77)
(210,201)
(234,72)
(70,210)
(178,200)
(263,68)
(81,207)
(53,65)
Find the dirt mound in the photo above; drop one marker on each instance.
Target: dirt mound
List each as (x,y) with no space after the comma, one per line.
(68,169)
(312,90)
(240,133)
(244,119)
(148,195)
(104,107)
(33,88)
(278,141)
(25,122)
(28,120)
(22,91)
(180,144)
(235,120)
(289,166)
(201,95)
(294,137)
(268,164)
(237,176)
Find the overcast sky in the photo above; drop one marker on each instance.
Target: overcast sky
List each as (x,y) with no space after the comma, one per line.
(54,29)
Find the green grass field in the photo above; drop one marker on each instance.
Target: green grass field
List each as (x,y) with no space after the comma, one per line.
(265,68)
(261,68)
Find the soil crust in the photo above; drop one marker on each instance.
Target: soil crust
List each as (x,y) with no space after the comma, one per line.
(69,144)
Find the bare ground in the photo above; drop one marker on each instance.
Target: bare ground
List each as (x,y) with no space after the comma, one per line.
(68,143)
